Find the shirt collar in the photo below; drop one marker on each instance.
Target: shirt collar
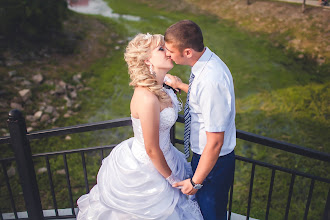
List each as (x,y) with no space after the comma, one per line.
(198,67)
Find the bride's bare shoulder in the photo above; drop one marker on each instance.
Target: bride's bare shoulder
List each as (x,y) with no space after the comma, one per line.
(142,94)
(143,99)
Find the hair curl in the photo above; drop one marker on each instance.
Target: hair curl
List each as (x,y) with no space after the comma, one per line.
(137,52)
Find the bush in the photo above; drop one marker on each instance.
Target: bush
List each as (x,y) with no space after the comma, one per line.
(31,18)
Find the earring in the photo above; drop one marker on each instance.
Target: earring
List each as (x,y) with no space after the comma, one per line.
(152,72)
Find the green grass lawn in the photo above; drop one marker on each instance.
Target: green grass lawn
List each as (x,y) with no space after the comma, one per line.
(277,96)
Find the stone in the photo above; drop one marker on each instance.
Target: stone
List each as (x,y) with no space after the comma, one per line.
(73,94)
(11,171)
(38,78)
(44,118)
(26,83)
(30,118)
(15,105)
(38,115)
(29,129)
(61,172)
(117,47)
(77,78)
(49,109)
(12,73)
(68,138)
(25,94)
(42,170)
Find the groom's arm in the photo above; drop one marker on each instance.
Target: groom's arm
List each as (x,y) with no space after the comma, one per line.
(209,156)
(206,163)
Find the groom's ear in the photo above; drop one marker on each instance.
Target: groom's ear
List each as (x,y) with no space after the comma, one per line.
(188,52)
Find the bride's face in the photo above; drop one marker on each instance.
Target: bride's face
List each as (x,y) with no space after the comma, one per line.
(160,62)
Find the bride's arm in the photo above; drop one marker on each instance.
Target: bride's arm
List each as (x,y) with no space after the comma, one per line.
(149,108)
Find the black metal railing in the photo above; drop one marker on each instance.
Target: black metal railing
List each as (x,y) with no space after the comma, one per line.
(19,139)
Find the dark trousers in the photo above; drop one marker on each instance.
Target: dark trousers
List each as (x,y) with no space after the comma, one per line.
(213,196)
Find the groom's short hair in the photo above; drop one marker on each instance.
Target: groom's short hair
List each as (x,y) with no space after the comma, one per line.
(185,34)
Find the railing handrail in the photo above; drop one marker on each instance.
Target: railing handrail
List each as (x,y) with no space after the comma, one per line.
(74,129)
(258,139)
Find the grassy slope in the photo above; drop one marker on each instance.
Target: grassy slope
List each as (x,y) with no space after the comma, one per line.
(276,96)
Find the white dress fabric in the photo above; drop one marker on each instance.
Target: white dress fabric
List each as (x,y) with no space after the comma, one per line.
(130,187)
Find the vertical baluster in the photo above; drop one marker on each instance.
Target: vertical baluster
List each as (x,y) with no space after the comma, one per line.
(1,218)
(9,189)
(326,215)
(172,134)
(270,193)
(290,196)
(309,199)
(102,155)
(85,171)
(231,198)
(51,184)
(250,193)
(68,183)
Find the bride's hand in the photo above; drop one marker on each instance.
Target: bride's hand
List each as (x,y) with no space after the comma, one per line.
(172,179)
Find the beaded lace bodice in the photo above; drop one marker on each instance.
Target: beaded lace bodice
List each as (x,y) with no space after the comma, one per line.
(167,118)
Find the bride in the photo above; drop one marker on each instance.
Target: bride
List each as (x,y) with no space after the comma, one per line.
(135,180)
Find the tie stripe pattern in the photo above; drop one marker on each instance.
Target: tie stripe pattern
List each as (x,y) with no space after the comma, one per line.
(187,120)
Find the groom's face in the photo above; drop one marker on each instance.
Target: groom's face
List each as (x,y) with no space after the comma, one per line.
(174,53)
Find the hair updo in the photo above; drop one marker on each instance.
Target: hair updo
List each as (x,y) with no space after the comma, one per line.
(137,51)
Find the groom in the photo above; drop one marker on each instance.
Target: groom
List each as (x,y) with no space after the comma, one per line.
(209,118)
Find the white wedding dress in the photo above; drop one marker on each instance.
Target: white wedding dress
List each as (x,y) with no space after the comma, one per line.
(130,187)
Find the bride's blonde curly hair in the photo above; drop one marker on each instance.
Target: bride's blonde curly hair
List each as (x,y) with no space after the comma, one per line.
(137,52)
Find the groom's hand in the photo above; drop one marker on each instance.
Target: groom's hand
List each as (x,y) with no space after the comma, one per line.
(175,82)
(187,188)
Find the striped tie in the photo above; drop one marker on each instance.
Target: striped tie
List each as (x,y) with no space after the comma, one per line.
(187,120)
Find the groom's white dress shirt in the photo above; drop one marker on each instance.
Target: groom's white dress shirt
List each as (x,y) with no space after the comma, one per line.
(212,103)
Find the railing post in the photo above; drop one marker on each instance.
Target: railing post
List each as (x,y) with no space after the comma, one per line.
(172,134)
(23,155)
(326,214)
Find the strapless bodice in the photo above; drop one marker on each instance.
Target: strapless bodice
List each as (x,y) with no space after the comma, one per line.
(167,118)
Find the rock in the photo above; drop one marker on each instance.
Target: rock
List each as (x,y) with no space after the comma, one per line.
(29,129)
(117,47)
(26,83)
(42,170)
(44,118)
(77,78)
(30,118)
(62,84)
(68,101)
(120,41)
(25,94)
(61,172)
(12,73)
(38,115)
(60,90)
(38,78)
(49,109)
(11,171)
(13,62)
(3,104)
(68,138)
(15,105)
(73,94)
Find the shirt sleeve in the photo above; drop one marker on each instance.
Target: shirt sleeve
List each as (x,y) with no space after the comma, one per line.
(214,99)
